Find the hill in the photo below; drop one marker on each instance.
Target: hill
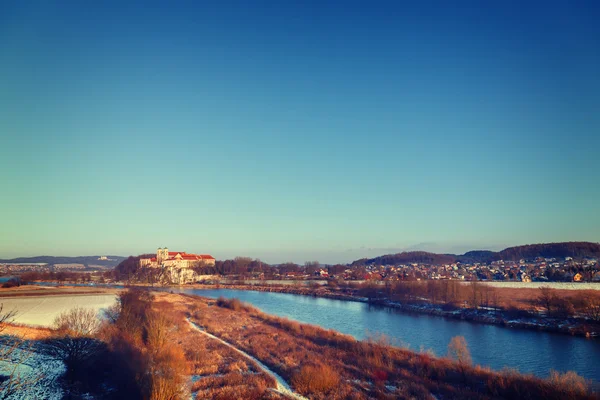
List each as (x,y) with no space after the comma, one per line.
(111,262)
(407,258)
(552,250)
(528,252)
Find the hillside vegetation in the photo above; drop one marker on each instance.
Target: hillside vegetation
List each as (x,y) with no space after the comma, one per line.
(529,251)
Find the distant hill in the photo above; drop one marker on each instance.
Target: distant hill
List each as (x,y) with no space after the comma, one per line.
(407,258)
(528,252)
(85,260)
(564,249)
(478,256)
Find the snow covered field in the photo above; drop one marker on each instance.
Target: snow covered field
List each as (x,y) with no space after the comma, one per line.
(553,285)
(39,371)
(42,310)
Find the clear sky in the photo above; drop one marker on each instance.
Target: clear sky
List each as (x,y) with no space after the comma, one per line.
(297,130)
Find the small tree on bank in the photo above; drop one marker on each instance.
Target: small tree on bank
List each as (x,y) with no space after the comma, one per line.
(459,351)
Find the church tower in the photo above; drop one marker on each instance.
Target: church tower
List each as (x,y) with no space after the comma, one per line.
(161,255)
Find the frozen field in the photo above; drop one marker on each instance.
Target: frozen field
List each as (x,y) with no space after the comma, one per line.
(42,310)
(39,371)
(553,285)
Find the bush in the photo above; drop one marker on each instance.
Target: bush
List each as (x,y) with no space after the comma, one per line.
(78,322)
(134,305)
(315,379)
(168,372)
(77,353)
(513,312)
(234,304)
(562,308)
(458,350)
(569,385)
(158,330)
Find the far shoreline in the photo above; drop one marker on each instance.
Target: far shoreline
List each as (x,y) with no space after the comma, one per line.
(499,316)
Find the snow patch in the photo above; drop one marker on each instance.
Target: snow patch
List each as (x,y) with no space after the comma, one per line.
(41,371)
(41,311)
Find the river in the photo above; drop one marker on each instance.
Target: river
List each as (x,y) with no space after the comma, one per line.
(527,351)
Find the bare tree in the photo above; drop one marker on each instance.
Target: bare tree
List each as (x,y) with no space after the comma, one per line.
(78,322)
(474,294)
(75,344)
(546,298)
(592,309)
(112,313)
(311,267)
(458,350)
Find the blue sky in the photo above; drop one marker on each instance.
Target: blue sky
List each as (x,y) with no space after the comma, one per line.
(297,130)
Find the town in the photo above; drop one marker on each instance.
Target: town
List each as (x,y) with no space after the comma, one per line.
(539,269)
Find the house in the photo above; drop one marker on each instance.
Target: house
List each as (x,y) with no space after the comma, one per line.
(525,278)
(322,273)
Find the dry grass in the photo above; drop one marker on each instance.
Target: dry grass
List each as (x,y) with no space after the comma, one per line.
(315,379)
(28,332)
(527,298)
(371,369)
(32,290)
(219,372)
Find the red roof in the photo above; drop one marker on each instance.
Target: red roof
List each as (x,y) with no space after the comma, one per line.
(187,256)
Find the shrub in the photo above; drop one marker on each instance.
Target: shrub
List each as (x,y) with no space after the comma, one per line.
(458,350)
(592,309)
(562,308)
(77,353)
(569,385)
(235,305)
(513,312)
(158,330)
(168,374)
(78,322)
(315,379)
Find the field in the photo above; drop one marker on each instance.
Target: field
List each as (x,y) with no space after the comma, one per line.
(39,307)
(551,285)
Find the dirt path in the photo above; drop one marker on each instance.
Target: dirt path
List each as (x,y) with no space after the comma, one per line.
(283,387)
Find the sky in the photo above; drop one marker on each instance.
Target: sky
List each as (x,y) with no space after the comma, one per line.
(294,131)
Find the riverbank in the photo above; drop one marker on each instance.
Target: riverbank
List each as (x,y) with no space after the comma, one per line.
(324,364)
(513,318)
(251,354)
(519,311)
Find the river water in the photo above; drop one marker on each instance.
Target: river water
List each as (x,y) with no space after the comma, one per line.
(527,351)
